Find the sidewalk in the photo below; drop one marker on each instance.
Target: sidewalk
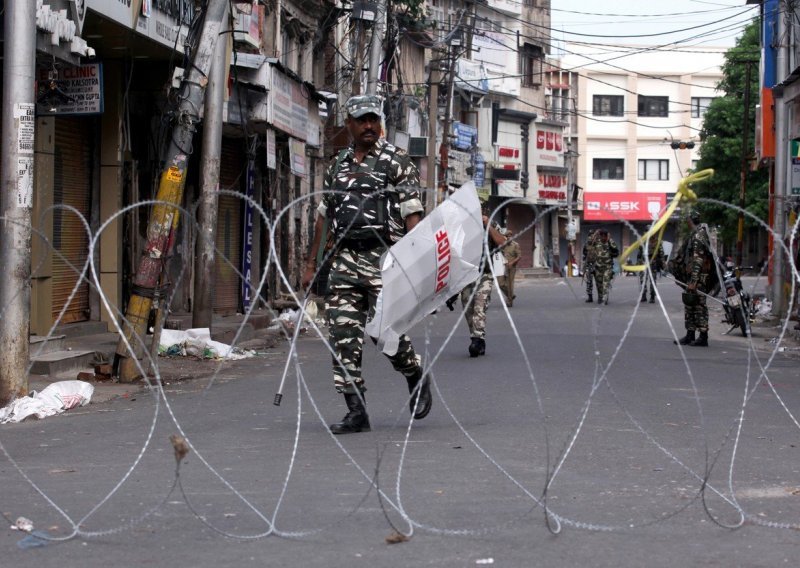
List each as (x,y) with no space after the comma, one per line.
(257,334)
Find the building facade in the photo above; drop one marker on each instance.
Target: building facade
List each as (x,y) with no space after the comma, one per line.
(636,130)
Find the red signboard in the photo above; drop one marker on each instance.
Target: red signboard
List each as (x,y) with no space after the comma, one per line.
(629,206)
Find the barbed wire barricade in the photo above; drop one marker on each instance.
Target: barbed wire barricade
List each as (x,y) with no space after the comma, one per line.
(383,479)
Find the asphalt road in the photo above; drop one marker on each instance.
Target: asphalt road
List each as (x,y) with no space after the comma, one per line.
(645,454)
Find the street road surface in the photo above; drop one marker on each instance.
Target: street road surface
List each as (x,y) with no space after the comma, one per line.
(635,446)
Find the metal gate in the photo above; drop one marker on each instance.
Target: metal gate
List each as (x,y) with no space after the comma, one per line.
(71,187)
(229,228)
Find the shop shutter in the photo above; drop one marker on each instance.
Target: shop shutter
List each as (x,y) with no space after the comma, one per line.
(520,217)
(71,186)
(229,228)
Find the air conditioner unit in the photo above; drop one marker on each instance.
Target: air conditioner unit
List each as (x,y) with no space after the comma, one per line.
(418,146)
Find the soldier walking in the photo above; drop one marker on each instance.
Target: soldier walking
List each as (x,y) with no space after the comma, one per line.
(599,253)
(376,200)
(511,252)
(656,261)
(475,306)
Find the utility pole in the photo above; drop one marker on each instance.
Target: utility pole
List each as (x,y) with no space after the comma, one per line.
(164,215)
(376,48)
(744,164)
(444,149)
(202,306)
(781,185)
(16,199)
(433,122)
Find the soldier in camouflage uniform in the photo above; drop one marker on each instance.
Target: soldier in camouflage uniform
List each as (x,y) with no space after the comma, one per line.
(475,306)
(587,259)
(374,201)
(601,251)
(656,258)
(511,252)
(697,256)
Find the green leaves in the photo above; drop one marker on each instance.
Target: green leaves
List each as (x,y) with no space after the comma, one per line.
(722,143)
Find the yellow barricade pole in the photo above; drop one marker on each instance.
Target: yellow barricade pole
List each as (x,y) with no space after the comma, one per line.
(684,193)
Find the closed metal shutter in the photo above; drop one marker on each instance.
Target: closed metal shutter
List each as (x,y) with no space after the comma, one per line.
(232,176)
(519,218)
(71,186)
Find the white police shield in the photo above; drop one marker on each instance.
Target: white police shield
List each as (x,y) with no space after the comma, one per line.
(435,260)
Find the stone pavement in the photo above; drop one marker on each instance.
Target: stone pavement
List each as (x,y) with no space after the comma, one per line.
(257,333)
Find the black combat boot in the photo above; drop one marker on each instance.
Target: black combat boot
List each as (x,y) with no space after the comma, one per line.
(652,299)
(354,421)
(644,298)
(477,347)
(686,339)
(701,341)
(423,393)
(589,300)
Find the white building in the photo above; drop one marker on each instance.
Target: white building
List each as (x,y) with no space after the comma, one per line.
(639,113)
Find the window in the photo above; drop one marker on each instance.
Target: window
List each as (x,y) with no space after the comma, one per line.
(653,106)
(700,106)
(560,104)
(608,168)
(607,105)
(654,170)
(530,60)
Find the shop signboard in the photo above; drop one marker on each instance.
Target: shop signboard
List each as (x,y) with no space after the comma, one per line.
(619,206)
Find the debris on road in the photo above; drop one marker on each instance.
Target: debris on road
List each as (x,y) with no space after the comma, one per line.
(197,342)
(53,399)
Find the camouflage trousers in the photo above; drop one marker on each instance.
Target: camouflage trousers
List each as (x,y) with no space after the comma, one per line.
(646,282)
(475,310)
(695,318)
(353,287)
(603,276)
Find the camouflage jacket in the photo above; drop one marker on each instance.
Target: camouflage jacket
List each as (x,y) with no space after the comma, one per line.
(379,193)
(656,257)
(601,254)
(698,256)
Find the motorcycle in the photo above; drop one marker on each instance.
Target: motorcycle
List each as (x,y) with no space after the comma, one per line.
(737,303)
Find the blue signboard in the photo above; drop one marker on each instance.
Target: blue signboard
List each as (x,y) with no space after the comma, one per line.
(466,135)
(247,242)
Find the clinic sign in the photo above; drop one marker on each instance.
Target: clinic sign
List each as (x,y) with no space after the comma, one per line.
(75,90)
(622,206)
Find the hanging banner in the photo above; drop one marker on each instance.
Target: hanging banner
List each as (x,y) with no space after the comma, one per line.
(438,258)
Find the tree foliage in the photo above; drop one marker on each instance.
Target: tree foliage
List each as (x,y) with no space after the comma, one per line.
(722,143)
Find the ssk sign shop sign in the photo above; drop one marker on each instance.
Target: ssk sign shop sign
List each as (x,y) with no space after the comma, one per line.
(628,206)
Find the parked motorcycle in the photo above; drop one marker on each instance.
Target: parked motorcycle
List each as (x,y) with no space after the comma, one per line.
(737,303)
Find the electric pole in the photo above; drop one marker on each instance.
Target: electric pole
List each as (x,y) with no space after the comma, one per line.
(164,214)
(376,48)
(744,164)
(202,306)
(433,122)
(16,199)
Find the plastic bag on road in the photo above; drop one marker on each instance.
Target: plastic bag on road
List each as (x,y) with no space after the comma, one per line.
(53,399)
(197,342)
